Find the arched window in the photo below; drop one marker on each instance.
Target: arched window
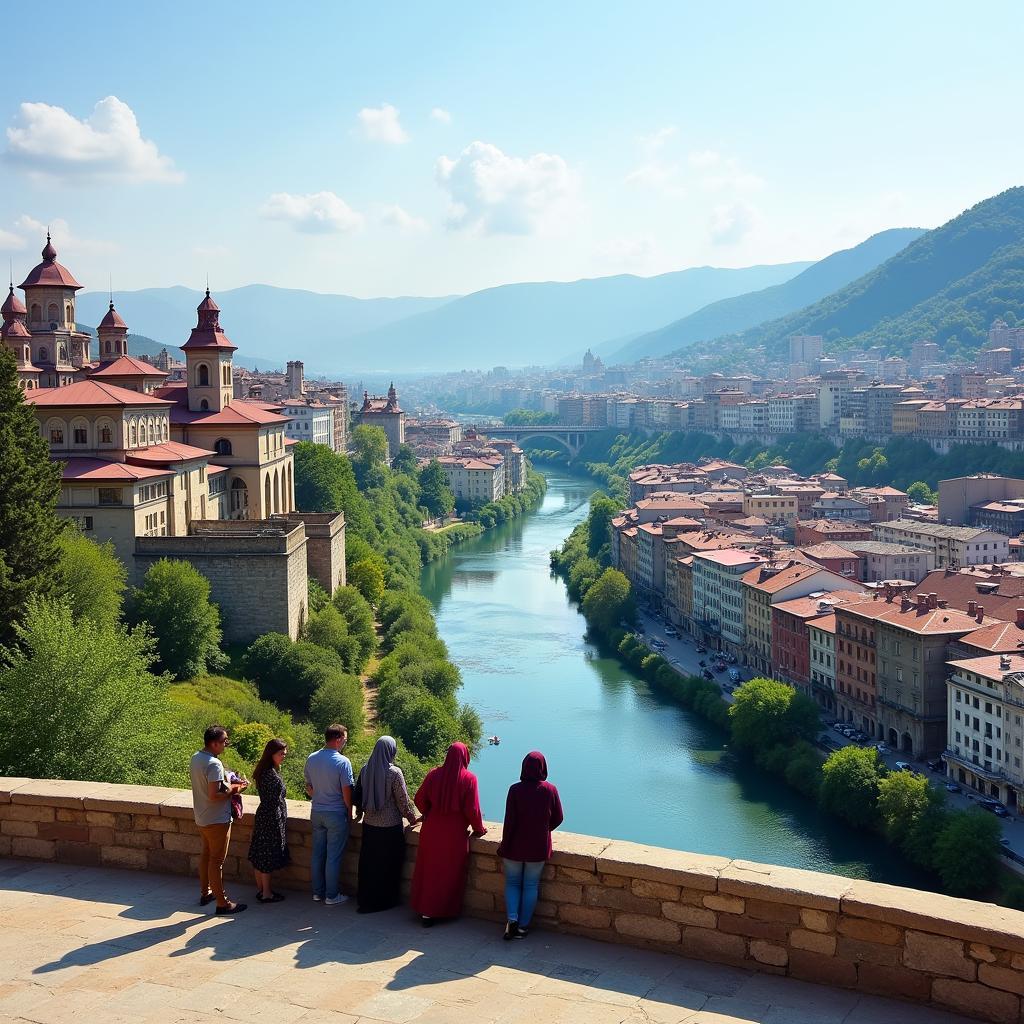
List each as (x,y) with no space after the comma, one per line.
(37,313)
(226,374)
(53,312)
(204,405)
(106,435)
(277,492)
(56,431)
(69,313)
(266,497)
(203,375)
(133,434)
(222,447)
(44,354)
(63,353)
(106,347)
(80,432)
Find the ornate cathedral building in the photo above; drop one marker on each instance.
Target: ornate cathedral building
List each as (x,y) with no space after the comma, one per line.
(143,458)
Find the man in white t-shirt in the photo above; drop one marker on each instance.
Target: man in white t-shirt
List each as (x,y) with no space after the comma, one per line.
(211,805)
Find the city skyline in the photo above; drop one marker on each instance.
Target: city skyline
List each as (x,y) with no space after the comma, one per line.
(451,151)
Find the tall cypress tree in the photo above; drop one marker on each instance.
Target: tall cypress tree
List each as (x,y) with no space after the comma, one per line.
(29,489)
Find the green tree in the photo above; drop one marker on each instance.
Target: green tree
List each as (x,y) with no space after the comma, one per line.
(369,455)
(29,488)
(966,853)
(78,700)
(903,798)
(338,698)
(329,628)
(608,602)
(921,494)
(849,784)
(175,600)
(599,529)
(290,673)
(435,494)
(318,597)
(325,482)
(359,616)
(92,578)
(405,460)
(367,577)
(249,739)
(767,712)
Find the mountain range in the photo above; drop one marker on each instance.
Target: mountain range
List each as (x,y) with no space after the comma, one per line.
(516,324)
(948,286)
(742,311)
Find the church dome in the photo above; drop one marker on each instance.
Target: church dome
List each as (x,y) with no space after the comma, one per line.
(13,306)
(113,319)
(49,273)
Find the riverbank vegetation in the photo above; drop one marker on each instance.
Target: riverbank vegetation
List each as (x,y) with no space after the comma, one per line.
(493,513)
(776,727)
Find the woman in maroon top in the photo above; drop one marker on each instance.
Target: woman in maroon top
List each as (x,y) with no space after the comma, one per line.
(449,801)
(532,811)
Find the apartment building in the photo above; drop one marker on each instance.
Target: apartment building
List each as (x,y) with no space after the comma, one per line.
(951,546)
(718,602)
(985,708)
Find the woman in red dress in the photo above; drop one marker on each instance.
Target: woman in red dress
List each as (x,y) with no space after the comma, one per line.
(449,801)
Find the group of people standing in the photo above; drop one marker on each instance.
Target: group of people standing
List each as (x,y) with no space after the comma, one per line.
(446,806)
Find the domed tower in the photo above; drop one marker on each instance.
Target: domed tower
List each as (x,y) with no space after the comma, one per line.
(16,337)
(50,300)
(112,335)
(208,354)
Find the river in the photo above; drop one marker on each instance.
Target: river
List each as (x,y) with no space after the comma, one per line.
(628,765)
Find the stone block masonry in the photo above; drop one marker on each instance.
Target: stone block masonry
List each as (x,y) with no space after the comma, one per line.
(257,572)
(878,939)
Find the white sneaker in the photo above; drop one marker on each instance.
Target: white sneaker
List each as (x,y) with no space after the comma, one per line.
(317,899)
(333,901)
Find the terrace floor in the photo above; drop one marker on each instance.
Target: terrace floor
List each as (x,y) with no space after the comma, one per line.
(88,944)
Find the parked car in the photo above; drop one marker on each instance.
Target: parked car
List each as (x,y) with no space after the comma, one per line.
(839,727)
(669,631)
(952,787)
(858,736)
(904,766)
(937,766)
(995,807)
(707,674)
(701,649)
(734,675)
(881,748)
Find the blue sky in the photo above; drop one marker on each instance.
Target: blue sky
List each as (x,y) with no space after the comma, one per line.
(378,149)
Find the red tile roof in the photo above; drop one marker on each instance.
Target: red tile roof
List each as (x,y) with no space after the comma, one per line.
(991,666)
(238,413)
(100,470)
(112,318)
(997,637)
(91,393)
(168,451)
(49,273)
(128,366)
(759,579)
(13,306)
(912,617)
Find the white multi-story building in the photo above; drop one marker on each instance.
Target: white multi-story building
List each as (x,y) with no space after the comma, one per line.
(310,421)
(718,596)
(474,480)
(985,732)
(950,545)
(753,417)
(822,639)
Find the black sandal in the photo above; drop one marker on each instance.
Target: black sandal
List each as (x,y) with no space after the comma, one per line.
(275,898)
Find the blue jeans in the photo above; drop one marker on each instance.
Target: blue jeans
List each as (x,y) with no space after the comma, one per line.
(522,882)
(330,834)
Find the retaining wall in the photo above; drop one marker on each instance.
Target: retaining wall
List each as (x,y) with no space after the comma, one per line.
(874,938)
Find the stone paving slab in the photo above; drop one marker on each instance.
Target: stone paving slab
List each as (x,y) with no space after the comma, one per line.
(102,946)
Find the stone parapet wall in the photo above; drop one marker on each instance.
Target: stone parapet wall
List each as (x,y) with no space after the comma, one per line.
(874,938)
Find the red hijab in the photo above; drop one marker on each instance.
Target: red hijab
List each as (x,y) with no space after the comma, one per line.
(453,777)
(535,767)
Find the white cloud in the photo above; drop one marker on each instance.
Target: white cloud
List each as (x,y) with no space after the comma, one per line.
(319,213)
(32,232)
(629,253)
(722,173)
(494,193)
(107,146)
(381,124)
(10,241)
(395,216)
(655,172)
(731,223)
(442,115)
